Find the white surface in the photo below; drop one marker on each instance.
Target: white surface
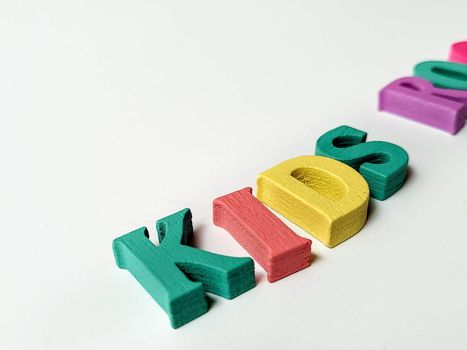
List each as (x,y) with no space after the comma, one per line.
(116,113)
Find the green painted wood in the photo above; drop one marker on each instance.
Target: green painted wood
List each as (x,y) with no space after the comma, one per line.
(443,74)
(177,275)
(382,164)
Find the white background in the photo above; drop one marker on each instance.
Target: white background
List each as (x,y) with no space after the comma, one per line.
(117,113)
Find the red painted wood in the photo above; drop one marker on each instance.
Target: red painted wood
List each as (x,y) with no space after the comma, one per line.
(266,238)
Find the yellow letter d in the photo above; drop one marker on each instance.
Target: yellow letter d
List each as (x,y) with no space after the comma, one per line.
(325,197)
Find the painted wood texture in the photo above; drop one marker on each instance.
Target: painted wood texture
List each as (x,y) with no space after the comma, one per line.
(177,275)
(325,197)
(443,74)
(264,236)
(382,164)
(458,52)
(418,100)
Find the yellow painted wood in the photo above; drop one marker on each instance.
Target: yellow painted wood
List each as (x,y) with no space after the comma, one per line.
(325,197)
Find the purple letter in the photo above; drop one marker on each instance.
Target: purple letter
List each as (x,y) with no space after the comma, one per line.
(417,99)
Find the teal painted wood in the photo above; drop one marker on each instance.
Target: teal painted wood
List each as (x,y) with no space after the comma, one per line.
(177,275)
(382,164)
(443,74)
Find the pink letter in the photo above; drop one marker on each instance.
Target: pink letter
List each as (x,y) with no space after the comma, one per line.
(458,52)
(267,239)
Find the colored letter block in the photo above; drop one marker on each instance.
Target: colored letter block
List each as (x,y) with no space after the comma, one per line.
(417,99)
(176,275)
(443,74)
(458,52)
(382,164)
(327,198)
(266,238)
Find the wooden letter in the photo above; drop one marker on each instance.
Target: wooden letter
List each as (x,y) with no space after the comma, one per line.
(417,99)
(382,164)
(176,275)
(266,238)
(458,52)
(327,198)
(443,74)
